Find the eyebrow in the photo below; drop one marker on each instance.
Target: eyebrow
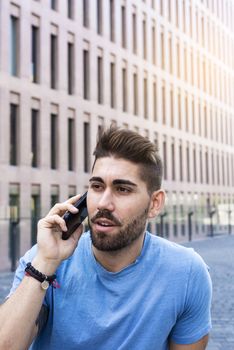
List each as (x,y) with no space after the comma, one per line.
(115,182)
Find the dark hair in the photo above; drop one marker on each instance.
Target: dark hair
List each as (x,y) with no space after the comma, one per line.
(129,145)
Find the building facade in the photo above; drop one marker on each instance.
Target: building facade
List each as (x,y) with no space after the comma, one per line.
(162,68)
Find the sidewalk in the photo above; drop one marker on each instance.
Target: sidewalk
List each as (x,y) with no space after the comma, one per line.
(218,253)
(5,283)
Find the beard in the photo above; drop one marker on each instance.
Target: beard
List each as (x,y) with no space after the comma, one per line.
(126,235)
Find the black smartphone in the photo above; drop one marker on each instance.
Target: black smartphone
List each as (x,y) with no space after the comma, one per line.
(74,220)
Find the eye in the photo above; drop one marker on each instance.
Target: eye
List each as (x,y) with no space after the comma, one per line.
(124,190)
(96,186)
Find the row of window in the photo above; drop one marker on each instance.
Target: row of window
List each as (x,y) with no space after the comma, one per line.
(195,63)
(208,166)
(176,11)
(190,163)
(143,90)
(175,215)
(36,140)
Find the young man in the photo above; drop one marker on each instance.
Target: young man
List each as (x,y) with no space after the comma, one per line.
(120,286)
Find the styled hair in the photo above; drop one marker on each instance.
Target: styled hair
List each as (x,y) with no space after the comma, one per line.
(129,145)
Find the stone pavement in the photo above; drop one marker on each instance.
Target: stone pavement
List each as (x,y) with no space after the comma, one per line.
(218,253)
(5,283)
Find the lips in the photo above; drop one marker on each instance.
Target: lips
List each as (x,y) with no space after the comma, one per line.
(104,222)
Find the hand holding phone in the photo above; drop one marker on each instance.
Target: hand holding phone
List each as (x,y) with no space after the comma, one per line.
(74,220)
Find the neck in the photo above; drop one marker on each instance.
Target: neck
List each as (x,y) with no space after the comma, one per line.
(115,261)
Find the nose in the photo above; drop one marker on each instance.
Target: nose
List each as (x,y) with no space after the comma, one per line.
(106,201)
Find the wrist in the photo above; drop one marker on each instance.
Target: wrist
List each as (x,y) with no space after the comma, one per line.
(46,266)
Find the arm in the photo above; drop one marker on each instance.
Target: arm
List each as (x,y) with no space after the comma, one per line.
(18,315)
(200,345)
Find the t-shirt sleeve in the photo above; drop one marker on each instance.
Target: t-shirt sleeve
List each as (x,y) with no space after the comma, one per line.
(194,322)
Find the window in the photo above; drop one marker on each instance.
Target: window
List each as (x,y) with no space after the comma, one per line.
(54,197)
(14,233)
(181,161)
(134,33)
(112,85)
(53,60)
(170,56)
(86,13)
(145,87)
(86,74)
(153,44)
(173,160)
(53,4)
(123,21)
(165,159)
(178,59)
(207,166)
(194,164)
(177,12)
(179,111)
(188,163)
(86,147)
(172,108)
(112,21)
(161,7)
(183,4)
(54,141)
(35,211)
(185,65)
(163,105)
(144,41)
(70,68)
(35,137)
(212,167)
(100,79)
(205,121)
(124,89)
(187,119)
(193,117)
(70,9)
(192,67)
(14,141)
(218,169)
(201,167)
(135,93)
(14,46)
(155,101)
(162,51)
(35,54)
(71,145)
(99,16)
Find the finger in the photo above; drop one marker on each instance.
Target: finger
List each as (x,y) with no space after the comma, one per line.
(73,199)
(54,221)
(61,208)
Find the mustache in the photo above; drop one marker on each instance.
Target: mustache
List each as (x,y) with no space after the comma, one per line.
(105,214)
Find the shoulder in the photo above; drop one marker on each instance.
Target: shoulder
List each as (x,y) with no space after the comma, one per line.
(172,250)
(182,261)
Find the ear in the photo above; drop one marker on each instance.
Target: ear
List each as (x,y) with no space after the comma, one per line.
(157,203)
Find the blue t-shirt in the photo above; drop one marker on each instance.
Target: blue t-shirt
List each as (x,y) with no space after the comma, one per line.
(165,294)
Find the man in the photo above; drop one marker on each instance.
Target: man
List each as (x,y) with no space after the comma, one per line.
(120,286)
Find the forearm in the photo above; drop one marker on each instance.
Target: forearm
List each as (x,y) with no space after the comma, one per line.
(18,315)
